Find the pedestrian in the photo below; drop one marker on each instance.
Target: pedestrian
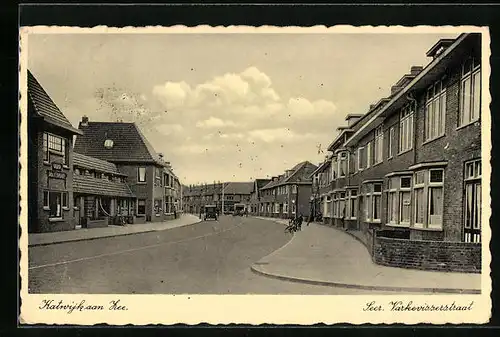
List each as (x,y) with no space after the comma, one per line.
(246,212)
(300,218)
(343,219)
(175,213)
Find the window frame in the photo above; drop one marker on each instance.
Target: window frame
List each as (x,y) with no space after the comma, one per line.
(378,146)
(472,229)
(406,121)
(392,132)
(469,74)
(139,180)
(47,149)
(435,97)
(64,205)
(368,155)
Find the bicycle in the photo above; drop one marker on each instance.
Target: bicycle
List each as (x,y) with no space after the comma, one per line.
(292,226)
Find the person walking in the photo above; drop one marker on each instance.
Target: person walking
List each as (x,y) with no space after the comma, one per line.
(300,219)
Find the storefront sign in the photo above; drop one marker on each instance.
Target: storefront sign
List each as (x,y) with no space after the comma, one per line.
(57,166)
(56,174)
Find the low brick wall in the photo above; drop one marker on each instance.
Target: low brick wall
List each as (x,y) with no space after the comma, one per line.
(428,255)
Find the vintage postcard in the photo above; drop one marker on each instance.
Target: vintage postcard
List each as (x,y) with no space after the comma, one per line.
(280,175)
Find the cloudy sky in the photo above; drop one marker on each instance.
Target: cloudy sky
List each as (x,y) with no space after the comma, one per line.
(230,107)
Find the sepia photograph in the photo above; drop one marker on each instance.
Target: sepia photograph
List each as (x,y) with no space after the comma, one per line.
(341,170)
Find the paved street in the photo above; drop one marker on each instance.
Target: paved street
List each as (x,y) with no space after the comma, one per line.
(208,257)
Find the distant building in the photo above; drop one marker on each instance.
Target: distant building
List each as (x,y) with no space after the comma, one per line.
(256,195)
(150,178)
(288,193)
(50,162)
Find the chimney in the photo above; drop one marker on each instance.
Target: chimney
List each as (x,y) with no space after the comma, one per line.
(353,118)
(415,70)
(160,155)
(395,89)
(85,121)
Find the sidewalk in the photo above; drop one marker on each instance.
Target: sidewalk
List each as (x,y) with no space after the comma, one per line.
(326,256)
(41,239)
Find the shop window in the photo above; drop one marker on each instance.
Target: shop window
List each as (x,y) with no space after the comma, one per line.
(470,91)
(141,207)
(141,174)
(55,202)
(472,202)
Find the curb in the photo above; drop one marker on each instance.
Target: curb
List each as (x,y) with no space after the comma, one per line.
(363,287)
(104,237)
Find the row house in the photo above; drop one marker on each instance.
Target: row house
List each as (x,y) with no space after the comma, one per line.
(320,198)
(101,194)
(407,174)
(225,196)
(256,195)
(150,178)
(288,194)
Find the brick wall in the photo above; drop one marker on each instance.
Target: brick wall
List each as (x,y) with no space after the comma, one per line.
(428,255)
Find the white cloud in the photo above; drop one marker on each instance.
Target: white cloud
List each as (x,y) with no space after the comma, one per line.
(172,94)
(168,129)
(214,122)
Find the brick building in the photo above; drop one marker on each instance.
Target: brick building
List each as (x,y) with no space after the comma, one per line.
(289,192)
(256,195)
(408,172)
(150,178)
(101,194)
(50,162)
(195,197)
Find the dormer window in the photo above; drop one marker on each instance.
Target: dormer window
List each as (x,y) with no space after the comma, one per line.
(108,143)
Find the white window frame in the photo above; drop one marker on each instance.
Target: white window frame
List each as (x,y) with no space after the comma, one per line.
(63,206)
(139,174)
(392,195)
(472,226)
(370,198)
(343,161)
(403,190)
(390,142)
(368,154)
(378,145)
(425,187)
(360,158)
(406,127)
(352,204)
(49,142)
(435,111)
(334,169)
(469,74)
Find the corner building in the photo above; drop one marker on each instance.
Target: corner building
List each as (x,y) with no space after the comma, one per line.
(408,173)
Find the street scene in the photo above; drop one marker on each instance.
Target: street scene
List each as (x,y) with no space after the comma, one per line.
(255,164)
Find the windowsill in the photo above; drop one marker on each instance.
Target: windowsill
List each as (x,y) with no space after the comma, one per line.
(56,219)
(468,124)
(427,229)
(405,151)
(65,208)
(398,225)
(389,158)
(433,139)
(373,221)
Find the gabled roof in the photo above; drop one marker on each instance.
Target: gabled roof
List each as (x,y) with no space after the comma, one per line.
(129,144)
(239,188)
(91,185)
(300,173)
(83,161)
(45,107)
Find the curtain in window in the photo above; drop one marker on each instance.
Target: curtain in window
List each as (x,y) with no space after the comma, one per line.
(435,205)
(465,101)
(476,84)
(477,207)
(419,205)
(405,199)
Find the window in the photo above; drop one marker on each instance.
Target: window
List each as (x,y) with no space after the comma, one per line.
(141,207)
(378,145)
(55,144)
(406,127)
(342,211)
(373,204)
(285,207)
(435,111)
(392,202)
(470,91)
(335,205)
(472,202)
(368,154)
(352,204)
(141,176)
(276,208)
(157,176)
(428,193)
(334,168)
(343,157)
(399,201)
(54,202)
(390,141)
(361,157)
(294,189)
